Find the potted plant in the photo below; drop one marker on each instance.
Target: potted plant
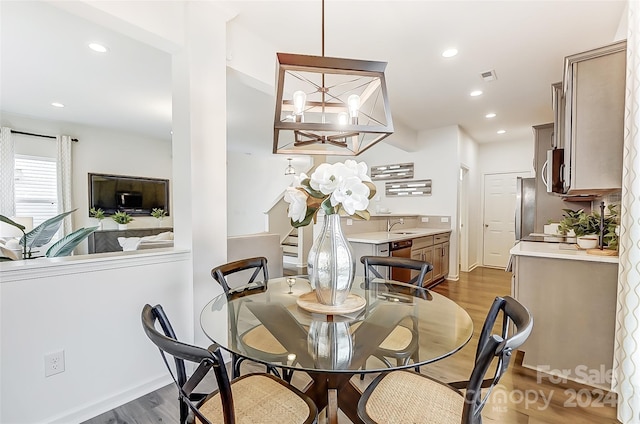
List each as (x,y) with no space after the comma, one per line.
(159,214)
(97,214)
(122,218)
(43,233)
(583,226)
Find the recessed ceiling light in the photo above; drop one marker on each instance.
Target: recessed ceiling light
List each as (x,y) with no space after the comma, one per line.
(96,47)
(475,93)
(56,104)
(490,115)
(501,131)
(449,52)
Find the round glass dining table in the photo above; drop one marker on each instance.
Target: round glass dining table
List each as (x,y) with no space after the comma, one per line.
(397,327)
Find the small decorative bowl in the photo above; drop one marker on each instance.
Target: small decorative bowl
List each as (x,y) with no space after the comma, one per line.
(587,242)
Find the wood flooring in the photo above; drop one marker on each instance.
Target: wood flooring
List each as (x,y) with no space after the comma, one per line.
(522,397)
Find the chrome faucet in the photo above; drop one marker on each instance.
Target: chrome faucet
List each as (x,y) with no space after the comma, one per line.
(391,225)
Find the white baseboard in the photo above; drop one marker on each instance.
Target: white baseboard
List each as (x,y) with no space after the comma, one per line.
(474,266)
(88,411)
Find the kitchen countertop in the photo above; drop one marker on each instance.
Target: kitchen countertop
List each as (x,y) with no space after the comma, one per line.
(557,251)
(379,237)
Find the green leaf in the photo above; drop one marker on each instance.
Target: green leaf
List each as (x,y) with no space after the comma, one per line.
(10,222)
(65,245)
(44,232)
(311,212)
(326,206)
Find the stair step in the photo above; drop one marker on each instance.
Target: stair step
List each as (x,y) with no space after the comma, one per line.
(285,243)
(290,249)
(290,254)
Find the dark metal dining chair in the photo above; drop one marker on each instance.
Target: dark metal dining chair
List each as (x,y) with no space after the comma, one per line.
(407,396)
(373,263)
(250,398)
(257,339)
(402,343)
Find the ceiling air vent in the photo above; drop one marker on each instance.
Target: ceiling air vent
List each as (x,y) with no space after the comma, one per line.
(489,76)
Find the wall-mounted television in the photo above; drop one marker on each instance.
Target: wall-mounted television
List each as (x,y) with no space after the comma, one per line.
(134,195)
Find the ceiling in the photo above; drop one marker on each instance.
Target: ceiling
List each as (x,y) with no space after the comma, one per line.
(45,58)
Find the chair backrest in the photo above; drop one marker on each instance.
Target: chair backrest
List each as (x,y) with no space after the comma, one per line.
(371,262)
(491,346)
(206,358)
(257,264)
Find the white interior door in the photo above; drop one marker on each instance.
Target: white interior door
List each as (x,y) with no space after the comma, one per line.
(499,217)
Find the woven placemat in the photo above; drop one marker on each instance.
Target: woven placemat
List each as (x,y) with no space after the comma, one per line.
(309,302)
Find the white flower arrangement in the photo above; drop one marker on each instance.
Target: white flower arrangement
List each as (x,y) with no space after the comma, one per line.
(343,188)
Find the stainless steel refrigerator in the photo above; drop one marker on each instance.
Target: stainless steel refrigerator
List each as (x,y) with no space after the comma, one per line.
(525,207)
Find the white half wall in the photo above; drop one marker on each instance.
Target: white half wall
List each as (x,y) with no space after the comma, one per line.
(90,308)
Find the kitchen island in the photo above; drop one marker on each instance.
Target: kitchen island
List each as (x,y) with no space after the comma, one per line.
(572,297)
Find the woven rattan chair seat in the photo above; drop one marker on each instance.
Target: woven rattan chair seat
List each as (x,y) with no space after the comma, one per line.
(259,399)
(398,339)
(260,338)
(408,397)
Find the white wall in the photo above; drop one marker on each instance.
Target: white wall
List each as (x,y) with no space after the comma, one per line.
(254,183)
(199,152)
(90,309)
(99,150)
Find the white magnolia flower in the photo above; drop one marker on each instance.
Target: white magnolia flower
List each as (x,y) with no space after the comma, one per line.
(352,193)
(297,201)
(324,178)
(297,179)
(359,169)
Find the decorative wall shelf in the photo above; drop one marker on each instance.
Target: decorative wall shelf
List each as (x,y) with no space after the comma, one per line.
(408,188)
(392,172)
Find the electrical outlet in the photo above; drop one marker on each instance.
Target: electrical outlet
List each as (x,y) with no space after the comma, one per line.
(444,219)
(425,219)
(349,221)
(401,221)
(54,363)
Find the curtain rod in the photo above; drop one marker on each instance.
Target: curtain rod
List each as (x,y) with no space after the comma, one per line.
(38,135)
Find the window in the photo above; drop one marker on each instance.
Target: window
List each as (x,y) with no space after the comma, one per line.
(36,187)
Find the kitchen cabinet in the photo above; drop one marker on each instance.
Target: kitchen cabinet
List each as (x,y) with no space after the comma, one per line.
(572,297)
(594,94)
(440,256)
(435,250)
(368,249)
(422,250)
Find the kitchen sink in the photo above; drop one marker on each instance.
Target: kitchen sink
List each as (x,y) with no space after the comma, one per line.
(402,233)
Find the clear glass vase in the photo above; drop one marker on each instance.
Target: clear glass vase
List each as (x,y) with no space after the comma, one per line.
(330,344)
(331,264)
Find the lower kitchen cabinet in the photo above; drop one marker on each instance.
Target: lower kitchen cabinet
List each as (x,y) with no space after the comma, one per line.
(367,249)
(435,250)
(573,303)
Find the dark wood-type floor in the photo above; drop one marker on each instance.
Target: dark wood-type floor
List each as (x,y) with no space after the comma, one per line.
(521,398)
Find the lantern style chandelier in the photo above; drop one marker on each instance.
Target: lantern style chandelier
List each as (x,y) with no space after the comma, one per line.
(329,106)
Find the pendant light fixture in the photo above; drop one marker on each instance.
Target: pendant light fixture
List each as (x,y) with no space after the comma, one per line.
(290,170)
(329,106)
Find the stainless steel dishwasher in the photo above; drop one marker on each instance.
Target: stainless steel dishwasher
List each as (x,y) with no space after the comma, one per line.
(401,249)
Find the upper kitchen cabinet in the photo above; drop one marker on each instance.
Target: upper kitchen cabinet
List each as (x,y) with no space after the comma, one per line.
(594,91)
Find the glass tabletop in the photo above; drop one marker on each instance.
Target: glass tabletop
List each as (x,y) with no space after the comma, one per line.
(395,329)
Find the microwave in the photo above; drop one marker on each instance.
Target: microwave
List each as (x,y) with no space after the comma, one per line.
(553,171)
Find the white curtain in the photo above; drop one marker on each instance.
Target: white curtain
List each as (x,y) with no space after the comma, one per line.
(7,165)
(627,345)
(64,180)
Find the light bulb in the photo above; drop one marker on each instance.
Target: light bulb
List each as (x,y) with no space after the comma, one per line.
(299,100)
(343,118)
(354,104)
